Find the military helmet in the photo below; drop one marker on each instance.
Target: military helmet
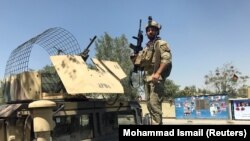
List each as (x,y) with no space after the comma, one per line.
(152,23)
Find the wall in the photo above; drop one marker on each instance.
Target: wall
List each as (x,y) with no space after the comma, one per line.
(202,107)
(248,92)
(168,109)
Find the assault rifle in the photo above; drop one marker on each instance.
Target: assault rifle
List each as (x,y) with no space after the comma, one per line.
(138,47)
(85,53)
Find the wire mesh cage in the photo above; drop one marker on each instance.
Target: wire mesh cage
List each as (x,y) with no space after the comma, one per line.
(54,40)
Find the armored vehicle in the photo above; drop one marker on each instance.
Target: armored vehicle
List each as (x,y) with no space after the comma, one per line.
(43,105)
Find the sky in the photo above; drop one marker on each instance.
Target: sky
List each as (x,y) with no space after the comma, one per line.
(203,34)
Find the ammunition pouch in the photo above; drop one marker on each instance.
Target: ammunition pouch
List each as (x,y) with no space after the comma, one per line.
(147,56)
(144,58)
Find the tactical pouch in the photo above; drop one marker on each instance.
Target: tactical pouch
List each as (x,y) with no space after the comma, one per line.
(147,57)
(139,58)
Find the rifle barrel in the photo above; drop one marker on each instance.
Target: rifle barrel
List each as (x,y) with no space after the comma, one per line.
(92,40)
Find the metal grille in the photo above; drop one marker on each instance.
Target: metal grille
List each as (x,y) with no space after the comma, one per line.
(54,40)
(51,83)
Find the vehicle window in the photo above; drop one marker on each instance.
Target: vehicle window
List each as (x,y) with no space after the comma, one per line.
(86,126)
(73,127)
(110,122)
(126,120)
(62,126)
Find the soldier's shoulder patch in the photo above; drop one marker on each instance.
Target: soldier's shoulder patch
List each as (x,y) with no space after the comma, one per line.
(163,45)
(161,42)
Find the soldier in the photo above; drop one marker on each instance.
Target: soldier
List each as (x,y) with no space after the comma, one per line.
(156,61)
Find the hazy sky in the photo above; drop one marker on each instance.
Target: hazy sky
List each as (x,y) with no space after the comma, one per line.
(203,34)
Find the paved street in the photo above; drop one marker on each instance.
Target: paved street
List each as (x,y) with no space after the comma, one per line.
(172,121)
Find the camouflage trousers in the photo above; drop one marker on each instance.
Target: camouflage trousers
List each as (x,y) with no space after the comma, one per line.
(154,97)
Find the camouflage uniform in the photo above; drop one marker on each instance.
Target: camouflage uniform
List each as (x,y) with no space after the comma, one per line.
(154,91)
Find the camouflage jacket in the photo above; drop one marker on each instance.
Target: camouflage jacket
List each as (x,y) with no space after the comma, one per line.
(148,56)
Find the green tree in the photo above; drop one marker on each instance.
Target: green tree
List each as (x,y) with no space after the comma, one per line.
(187,91)
(226,80)
(117,49)
(203,91)
(1,92)
(48,69)
(171,89)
